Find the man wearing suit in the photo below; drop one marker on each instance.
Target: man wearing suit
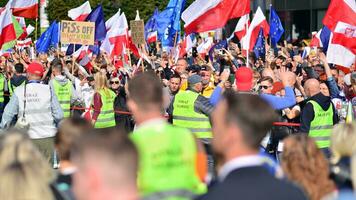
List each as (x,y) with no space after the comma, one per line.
(240,121)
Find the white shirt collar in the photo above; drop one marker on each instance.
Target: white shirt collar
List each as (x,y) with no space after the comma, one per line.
(239,162)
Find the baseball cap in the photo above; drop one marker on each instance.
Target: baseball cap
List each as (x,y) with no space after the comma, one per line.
(194,79)
(35,68)
(244,78)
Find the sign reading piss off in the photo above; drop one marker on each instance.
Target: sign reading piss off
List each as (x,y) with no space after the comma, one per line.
(73,32)
(137,31)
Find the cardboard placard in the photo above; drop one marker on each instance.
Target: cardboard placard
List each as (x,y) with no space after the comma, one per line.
(137,31)
(73,32)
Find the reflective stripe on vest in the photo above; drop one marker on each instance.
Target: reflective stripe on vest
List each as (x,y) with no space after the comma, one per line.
(2,85)
(167,162)
(64,94)
(106,117)
(322,124)
(185,116)
(170,194)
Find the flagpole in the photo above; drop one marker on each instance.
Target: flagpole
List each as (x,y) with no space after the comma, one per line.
(36,29)
(270,14)
(175,39)
(248,46)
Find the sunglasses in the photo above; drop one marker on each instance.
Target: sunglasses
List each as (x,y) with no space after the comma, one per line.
(263,87)
(116,82)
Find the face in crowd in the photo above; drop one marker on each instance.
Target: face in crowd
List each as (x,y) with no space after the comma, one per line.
(266,85)
(205,75)
(181,66)
(174,84)
(114,83)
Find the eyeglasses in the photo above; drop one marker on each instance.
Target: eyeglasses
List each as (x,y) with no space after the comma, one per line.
(265,87)
(116,82)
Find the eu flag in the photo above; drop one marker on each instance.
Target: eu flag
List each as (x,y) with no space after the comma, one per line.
(151,24)
(276,28)
(168,22)
(48,38)
(97,16)
(259,48)
(221,45)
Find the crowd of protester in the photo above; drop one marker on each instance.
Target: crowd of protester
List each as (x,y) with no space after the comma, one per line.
(279,127)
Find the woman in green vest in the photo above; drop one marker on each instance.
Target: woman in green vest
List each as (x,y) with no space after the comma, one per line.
(103,103)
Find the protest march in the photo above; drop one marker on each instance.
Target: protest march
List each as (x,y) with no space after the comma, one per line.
(197,100)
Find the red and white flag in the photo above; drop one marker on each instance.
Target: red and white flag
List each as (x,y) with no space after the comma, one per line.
(117,37)
(7,30)
(340,11)
(186,45)
(152,37)
(258,21)
(110,22)
(204,47)
(205,15)
(315,41)
(80,13)
(24,43)
(240,30)
(340,18)
(24,8)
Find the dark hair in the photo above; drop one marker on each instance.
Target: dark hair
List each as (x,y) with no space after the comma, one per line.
(251,114)
(113,146)
(281,58)
(19,68)
(146,90)
(57,64)
(69,130)
(176,75)
(266,78)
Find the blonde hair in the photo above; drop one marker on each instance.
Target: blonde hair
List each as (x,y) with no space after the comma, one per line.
(100,81)
(24,172)
(343,143)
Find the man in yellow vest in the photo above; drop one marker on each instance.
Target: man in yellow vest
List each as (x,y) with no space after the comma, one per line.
(168,155)
(63,88)
(191,110)
(318,115)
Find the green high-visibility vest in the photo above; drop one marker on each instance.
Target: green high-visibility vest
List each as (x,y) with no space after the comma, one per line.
(167,162)
(322,124)
(12,87)
(106,117)
(64,94)
(185,116)
(2,87)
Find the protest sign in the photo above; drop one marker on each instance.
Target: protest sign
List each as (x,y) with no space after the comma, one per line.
(73,32)
(137,31)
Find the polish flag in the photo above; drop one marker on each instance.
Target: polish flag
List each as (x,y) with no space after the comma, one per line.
(340,19)
(205,15)
(152,37)
(204,47)
(340,10)
(22,23)
(117,37)
(7,30)
(316,42)
(240,30)
(24,8)
(338,53)
(80,13)
(186,45)
(259,21)
(110,22)
(24,43)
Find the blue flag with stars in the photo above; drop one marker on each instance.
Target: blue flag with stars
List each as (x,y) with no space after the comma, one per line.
(221,45)
(276,28)
(259,48)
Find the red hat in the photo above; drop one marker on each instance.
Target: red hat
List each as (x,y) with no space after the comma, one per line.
(244,79)
(277,86)
(35,68)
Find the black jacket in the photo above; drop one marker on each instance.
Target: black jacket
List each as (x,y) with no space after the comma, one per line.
(253,183)
(307,114)
(123,121)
